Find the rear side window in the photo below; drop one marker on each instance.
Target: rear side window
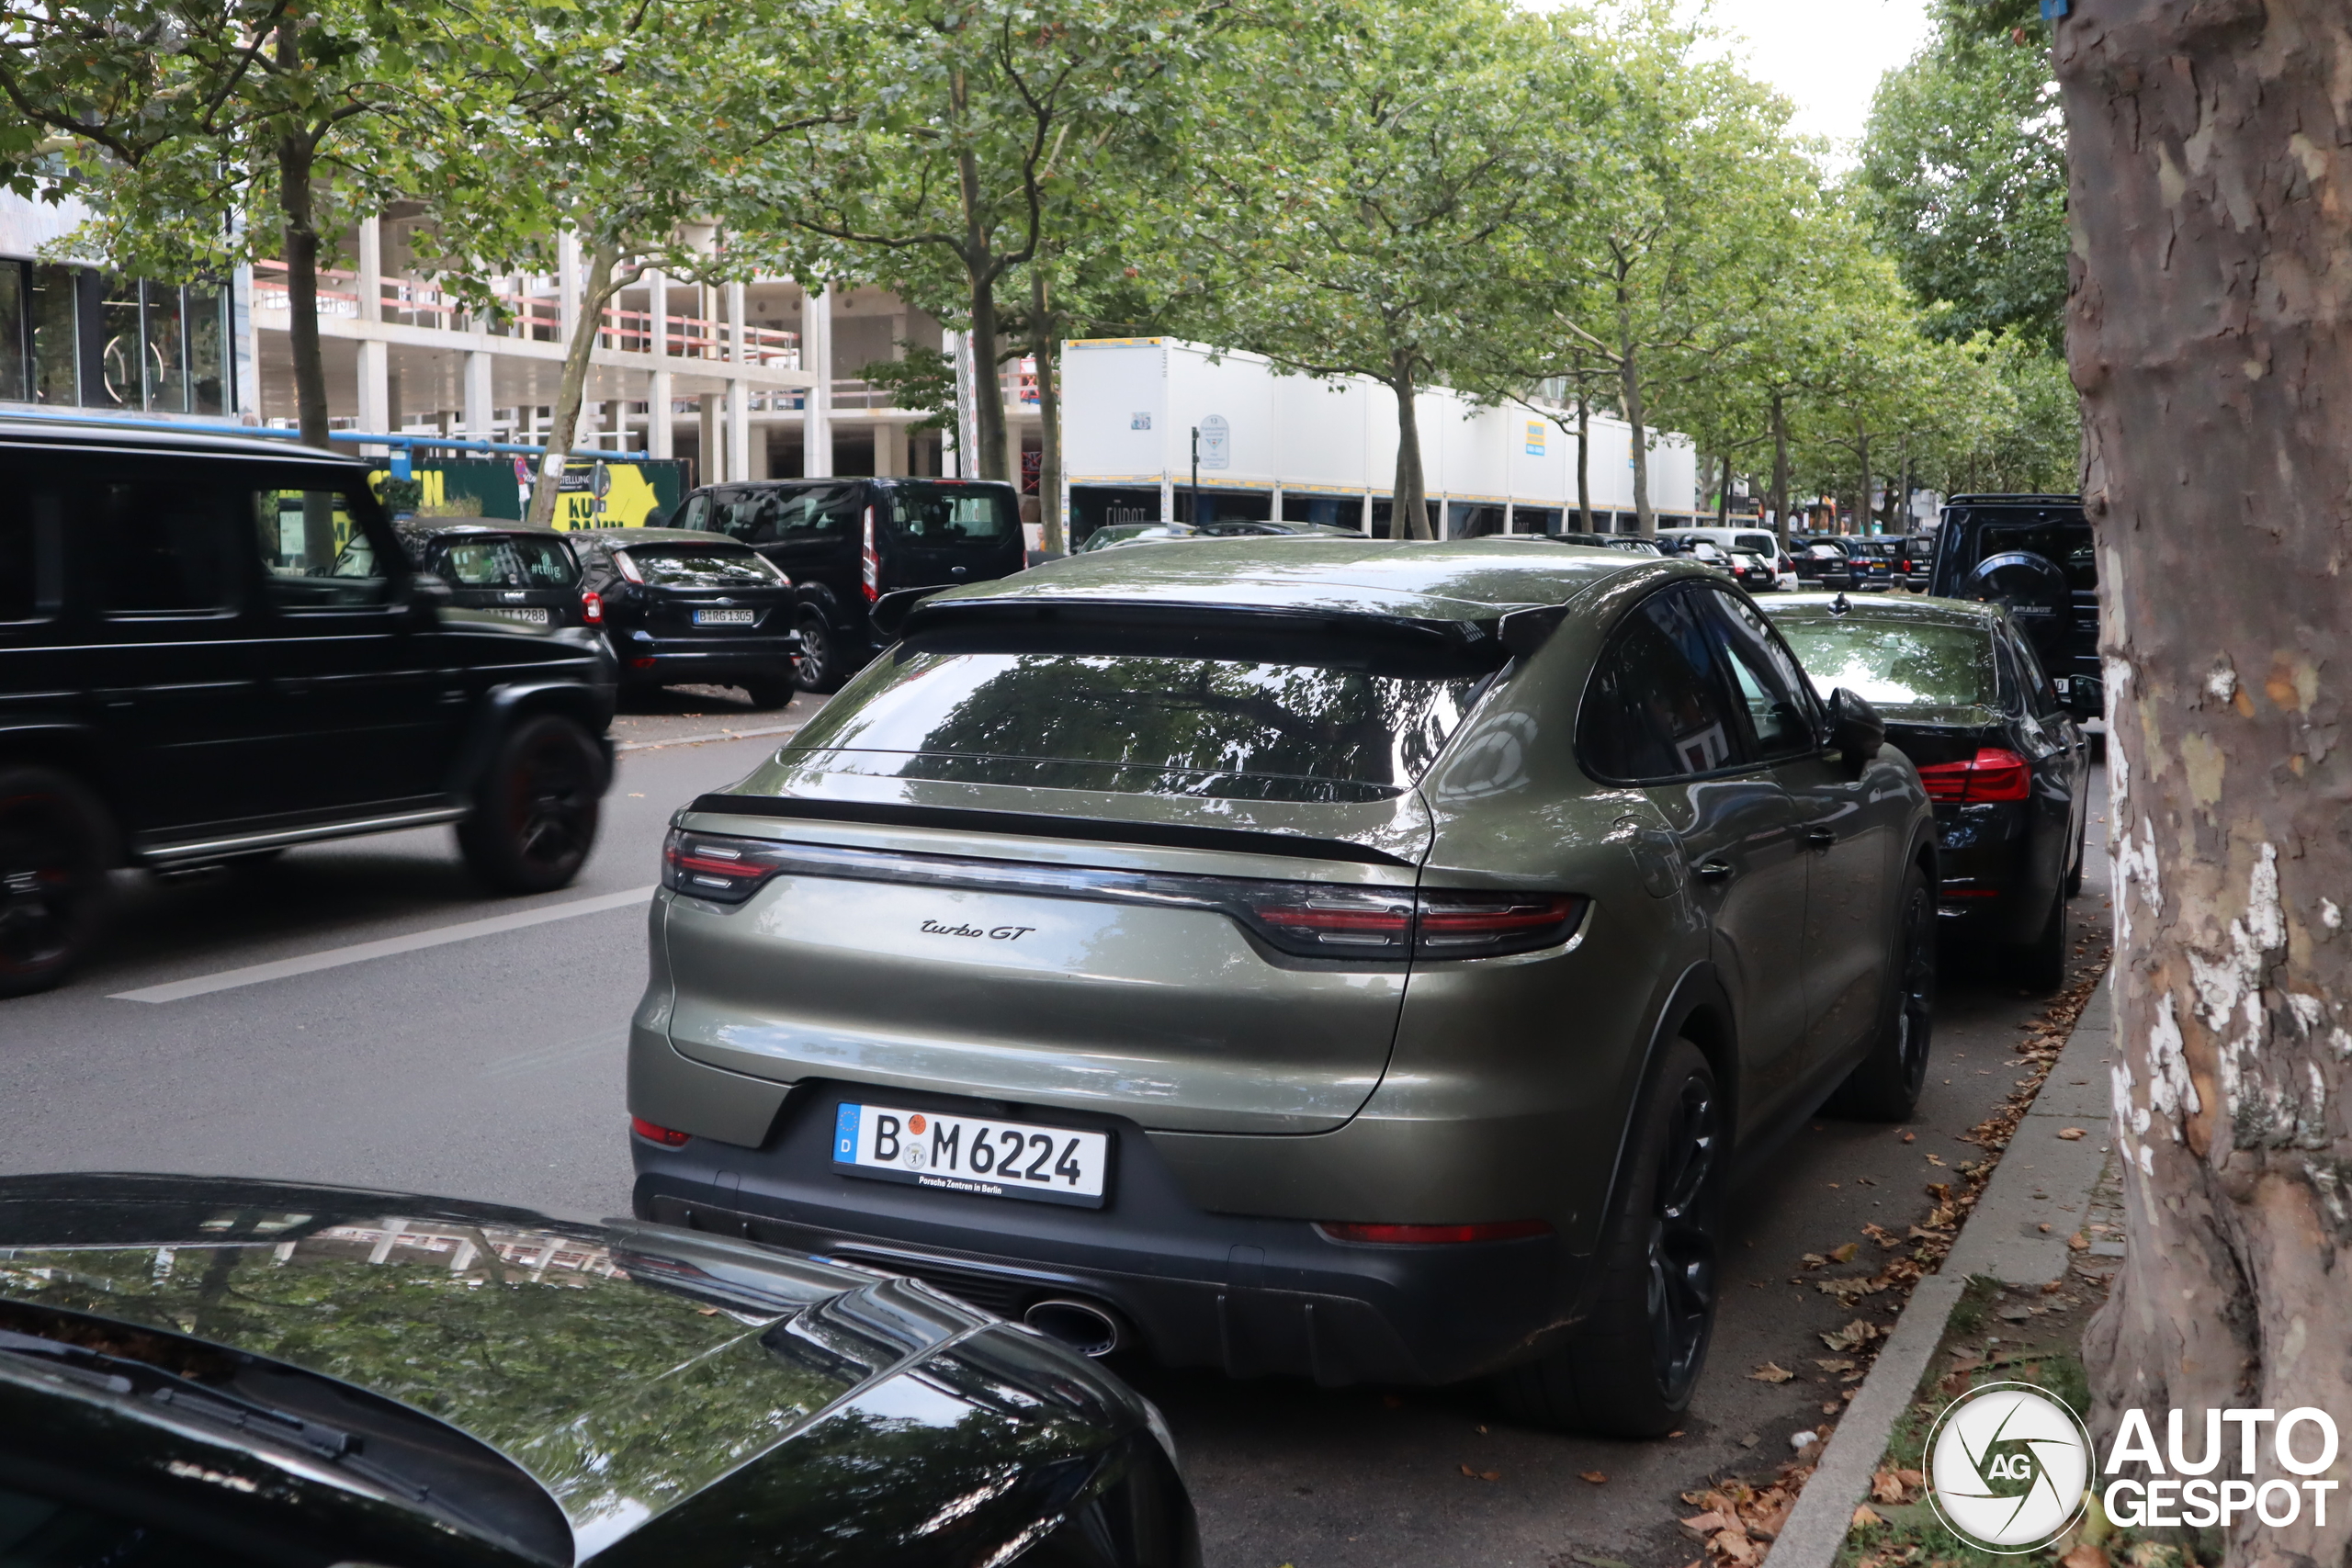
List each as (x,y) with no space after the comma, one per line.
(694,511)
(1657,705)
(29,510)
(817,513)
(691,565)
(1768,680)
(951,515)
(507,562)
(162,545)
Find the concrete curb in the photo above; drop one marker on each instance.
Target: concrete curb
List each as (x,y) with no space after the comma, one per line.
(704,739)
(2041,1180)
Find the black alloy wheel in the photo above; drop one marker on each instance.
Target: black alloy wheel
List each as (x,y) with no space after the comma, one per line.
(1885,1085)
(52,877)
(1630,1366)
(1682,1241)
(536,814)
(818,664)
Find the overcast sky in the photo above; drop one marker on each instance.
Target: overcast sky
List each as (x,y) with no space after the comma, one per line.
(1827,55)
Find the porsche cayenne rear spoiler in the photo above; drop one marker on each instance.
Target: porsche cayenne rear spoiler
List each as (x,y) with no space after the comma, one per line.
(1138,625)
(1038,825)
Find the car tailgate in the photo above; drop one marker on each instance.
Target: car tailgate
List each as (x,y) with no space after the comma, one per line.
(1170,1014)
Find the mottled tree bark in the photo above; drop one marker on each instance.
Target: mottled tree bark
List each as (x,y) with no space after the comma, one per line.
(2211,334)
(1408,508)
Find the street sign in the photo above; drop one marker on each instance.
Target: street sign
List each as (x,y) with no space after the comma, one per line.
(1217,442)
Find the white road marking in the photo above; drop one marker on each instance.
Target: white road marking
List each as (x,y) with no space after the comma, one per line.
(359,952)
(699,739)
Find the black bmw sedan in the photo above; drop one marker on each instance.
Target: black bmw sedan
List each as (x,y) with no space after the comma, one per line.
(201,1372)
(683,606)
(503,568)
(2006,764)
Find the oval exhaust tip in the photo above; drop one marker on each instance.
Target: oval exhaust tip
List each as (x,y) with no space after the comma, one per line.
(1084,1326)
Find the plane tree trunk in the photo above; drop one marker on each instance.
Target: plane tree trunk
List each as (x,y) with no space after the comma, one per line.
(1408,511)
(2211,334)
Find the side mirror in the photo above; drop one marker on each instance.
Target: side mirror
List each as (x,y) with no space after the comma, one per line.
(2085,696)
(427,596)
(1855,729)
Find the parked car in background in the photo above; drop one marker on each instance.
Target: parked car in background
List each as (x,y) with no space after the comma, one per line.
(2033,556)
(1911,556)
(214,648)
(845,543)
(1966,698)
(1113,535)
(1628,544)
(1755,540)
(1836,561)
(503,568)
(683,608)
(196,1372)
(1257,970)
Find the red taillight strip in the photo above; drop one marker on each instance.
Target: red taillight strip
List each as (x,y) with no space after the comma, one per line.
(1992,773)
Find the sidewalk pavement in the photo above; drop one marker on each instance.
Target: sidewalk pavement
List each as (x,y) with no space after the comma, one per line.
(2043,1180)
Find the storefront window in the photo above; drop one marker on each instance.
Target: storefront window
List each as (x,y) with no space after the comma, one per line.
(165,362)
(55,371)
(76,338)
(13,330)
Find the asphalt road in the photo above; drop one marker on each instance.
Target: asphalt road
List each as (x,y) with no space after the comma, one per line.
(490,1067)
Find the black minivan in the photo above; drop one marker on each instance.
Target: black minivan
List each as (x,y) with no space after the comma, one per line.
(2033,556)
(846,542)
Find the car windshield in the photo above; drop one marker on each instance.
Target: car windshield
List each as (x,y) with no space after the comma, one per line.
(950,515)
(507,561)
(1761,544)
(1145,723)
(1895,662)
(700,566)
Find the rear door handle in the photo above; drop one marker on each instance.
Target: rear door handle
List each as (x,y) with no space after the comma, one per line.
(1712,870)
(1820,838)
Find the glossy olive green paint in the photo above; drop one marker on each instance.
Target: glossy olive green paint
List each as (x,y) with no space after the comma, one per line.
(1481,1089)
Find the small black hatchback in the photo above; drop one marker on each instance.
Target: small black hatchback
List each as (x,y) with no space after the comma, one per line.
(847,542)
(684,607)
(213,647)
(507,571)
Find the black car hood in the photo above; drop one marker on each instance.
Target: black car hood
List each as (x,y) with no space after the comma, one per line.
(625,1367)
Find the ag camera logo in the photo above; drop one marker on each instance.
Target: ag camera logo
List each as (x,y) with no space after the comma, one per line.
(2008,1467)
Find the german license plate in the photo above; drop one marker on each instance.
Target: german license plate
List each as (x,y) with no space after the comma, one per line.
(725,617)
(536,617)
(966,1154)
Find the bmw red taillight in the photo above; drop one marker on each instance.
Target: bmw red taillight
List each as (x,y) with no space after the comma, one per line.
(870,563)
(668,1137)
(591,608)
(1428,1235)
(1992,775)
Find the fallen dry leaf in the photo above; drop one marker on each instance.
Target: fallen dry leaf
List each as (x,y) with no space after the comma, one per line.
(1833,1363)
(1910,1137)
(1734,1546)
(2079,1242)
(1768,1372)
(1852,1336)
(1911,1478)
(1596,1477)
(1482,1475)
(1814,1260)
(1866,1514)
(2071,1134)
(1886,1487)
(1934,1159)
(1844,1254)
(1707,1523)
(2085,1556)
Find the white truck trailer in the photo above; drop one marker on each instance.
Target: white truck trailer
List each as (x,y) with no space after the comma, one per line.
(1278,445)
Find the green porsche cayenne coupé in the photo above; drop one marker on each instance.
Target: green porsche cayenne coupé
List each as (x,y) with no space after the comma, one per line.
(1361,960)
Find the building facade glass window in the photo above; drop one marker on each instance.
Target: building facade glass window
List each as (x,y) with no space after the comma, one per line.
(73,337)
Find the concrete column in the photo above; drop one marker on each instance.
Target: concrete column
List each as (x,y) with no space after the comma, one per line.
(567,281)
(817,357)
(890,448)
(658,441)
(657,306)
(371,269)
(375,386)
(1274,502)
(478,415)
(1012,441)
(1510,527)
(708,468)
(1367,512)
(738,430)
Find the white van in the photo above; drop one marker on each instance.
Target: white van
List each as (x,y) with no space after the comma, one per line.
(1754,540)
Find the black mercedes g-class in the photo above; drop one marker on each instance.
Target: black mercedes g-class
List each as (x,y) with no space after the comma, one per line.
(212,648)
(2033,555)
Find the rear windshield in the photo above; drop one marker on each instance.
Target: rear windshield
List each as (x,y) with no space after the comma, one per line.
(1762,544)
(949,515)
(700,566)
(507,561)
(1144,724)
(1896,664)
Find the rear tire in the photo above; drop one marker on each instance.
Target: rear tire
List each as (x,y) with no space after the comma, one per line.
(536,813)
(1630,1367)
(816,667)
(2039,966)
(54,851)
(770,694)
(1884,1085)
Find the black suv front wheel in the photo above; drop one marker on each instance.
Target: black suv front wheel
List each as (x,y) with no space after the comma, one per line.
(1630,1370)
(818,665)
(53,875)
(536,813)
